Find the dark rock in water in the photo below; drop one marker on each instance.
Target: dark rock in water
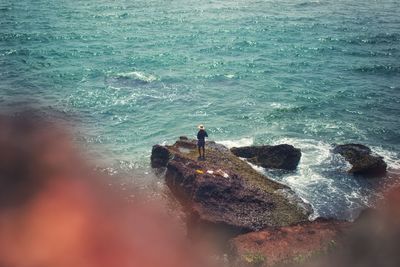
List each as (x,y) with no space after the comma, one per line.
(287,245)
(225,191)
(246,151)
(183,138)
(283,156)
(362,159)
(279,157)
(159,156)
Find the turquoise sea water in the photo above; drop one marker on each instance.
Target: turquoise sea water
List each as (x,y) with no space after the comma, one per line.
(127,74)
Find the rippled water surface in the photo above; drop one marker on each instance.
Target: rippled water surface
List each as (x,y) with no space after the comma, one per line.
(128,74)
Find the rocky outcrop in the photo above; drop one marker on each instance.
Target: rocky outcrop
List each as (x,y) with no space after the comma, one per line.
(283,156)
(224,190)
(287,245)
(362,159)
(159,156)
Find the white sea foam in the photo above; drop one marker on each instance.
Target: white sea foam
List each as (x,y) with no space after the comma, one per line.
(257,168)
(390,157)
(321,178)
(277,105)
(307,177)
(247,141)
(137,75)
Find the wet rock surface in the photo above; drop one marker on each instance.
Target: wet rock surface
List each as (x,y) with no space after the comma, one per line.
(362,159)
(159,156)
(282,156)
(224,191)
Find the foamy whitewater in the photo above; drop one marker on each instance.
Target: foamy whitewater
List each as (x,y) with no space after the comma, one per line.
(322,177)
(126,75)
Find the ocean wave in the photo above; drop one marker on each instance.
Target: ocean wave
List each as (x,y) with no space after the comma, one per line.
(310,4)
(43,37)
(369,53)
(246,141)
(382,38)
(137,75)
(322,179)
(378,69)
(284,107)
(230,76)
(276,105)
(391,158)
(280,110)
(219,76)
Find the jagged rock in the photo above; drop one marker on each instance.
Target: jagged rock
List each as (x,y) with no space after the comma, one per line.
(362,159)
(225,191)
(246,151)
(277,157)
(287,245)
(159,156)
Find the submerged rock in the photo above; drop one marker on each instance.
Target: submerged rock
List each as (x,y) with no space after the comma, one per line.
(287,245)
(362,159)
(225,191)
(282,156)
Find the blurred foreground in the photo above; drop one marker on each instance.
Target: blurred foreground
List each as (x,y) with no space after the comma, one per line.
(56,211)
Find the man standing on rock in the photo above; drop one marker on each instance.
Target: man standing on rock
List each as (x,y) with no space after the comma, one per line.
(201,140)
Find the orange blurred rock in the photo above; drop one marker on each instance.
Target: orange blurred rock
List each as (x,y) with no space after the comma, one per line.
(287,244)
